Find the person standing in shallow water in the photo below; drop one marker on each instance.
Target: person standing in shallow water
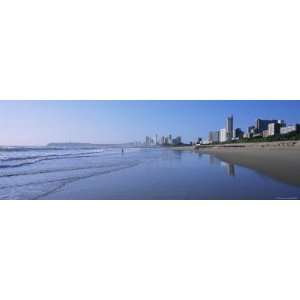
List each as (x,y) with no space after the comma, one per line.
(122,151)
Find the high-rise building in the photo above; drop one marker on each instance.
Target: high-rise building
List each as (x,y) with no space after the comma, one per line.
(281,123)
(265,133)
(251,130)
(214,136)
(273,129)
(149,141)
(290,129)
(223,135)
(229,127)
(238,133)
(177,140)
(261,125)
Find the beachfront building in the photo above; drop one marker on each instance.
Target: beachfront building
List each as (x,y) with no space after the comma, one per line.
(257,135)
(238,134)
(147,141)
(249,133)
(265,133)
(199,141)
(214,136)
(281,123)
(223,135)
(167,140)
(229,127)
(261,125)
(177,140)
(205,142)
(274,129)
(251,130)
(150,141)
(290,129)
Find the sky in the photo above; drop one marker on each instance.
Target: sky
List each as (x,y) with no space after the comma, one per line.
(42,122)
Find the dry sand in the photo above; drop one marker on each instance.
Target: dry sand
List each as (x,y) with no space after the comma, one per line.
(279,160)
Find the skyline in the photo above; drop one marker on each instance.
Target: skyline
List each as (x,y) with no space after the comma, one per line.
(42,122)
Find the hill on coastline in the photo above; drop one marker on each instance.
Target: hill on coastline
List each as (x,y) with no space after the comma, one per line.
(83,145)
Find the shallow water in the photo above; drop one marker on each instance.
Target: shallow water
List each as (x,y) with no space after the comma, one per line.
(30,173)
(139,173)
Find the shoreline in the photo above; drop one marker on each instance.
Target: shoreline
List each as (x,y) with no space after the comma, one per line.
(191,176)
(279,160)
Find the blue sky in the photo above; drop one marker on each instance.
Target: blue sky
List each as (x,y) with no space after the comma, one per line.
(41,122)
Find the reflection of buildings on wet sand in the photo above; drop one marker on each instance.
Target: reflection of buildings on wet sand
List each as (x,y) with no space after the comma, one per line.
(215,161)
(178,154)
(230,168)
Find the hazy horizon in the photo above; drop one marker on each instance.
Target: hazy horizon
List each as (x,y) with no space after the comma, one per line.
(37,123)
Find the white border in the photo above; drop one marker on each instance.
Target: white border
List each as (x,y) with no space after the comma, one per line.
(149,250)
(160,49)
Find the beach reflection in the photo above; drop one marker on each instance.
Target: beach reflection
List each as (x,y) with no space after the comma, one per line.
(229,167)
(200,155)
(178,154)
(213,160)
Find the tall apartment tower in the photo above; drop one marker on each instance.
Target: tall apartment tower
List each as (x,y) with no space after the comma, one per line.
(223,135)
(229,127)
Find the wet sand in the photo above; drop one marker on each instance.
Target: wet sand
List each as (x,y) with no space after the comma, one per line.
(167,174)
(279,160)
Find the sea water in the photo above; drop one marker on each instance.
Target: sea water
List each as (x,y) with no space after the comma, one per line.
(138,173)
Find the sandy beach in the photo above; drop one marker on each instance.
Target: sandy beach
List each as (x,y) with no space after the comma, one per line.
(279,160)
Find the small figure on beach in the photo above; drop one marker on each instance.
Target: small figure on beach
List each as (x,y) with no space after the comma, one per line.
(122,151)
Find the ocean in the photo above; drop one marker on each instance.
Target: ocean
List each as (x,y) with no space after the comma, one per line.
(138,173)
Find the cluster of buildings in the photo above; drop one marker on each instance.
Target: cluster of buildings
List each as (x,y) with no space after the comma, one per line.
(224,134)
(163,140)
(262,128)
(266,128)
